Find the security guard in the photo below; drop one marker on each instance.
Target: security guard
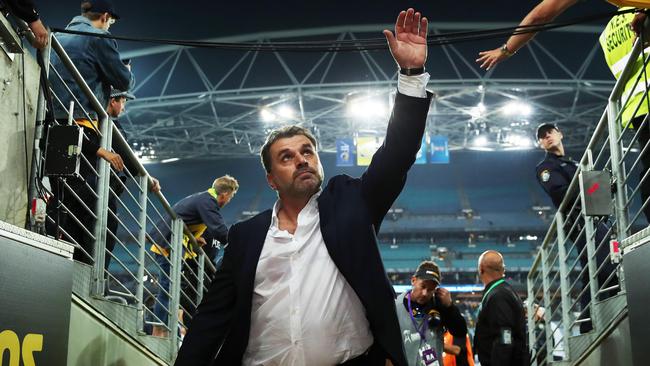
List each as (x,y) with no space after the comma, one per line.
(617,41)
(500,338)
(556,171)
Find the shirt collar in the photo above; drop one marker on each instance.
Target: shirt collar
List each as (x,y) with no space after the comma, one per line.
(311,205)
(80,19)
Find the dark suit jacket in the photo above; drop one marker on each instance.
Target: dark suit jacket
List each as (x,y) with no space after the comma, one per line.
(351,211)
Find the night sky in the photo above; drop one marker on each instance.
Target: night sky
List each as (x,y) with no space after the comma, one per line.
(206,19)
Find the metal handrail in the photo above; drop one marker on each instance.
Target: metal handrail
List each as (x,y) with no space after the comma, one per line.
(111,137)
(541,279)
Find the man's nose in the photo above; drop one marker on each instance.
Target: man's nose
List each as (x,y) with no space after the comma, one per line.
(300,160)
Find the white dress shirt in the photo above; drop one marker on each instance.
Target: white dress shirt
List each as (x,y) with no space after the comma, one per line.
(304,312)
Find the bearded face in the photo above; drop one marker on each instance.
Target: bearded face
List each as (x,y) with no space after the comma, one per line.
(295,167)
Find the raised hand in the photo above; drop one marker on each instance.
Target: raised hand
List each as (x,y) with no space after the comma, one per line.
(409,43)
(489,59)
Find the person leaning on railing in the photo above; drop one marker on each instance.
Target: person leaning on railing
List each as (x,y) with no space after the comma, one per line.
(98,62)
(201,212)
(116,106)
(25,10)
(617,42)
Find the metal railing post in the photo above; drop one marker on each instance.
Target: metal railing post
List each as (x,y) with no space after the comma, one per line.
(547,302)
(531,315)
(176,262)
(142,247)
(39,130)
(200,274)
(590,243)
(103,192)
(564,284)
(592,268)
(616,150)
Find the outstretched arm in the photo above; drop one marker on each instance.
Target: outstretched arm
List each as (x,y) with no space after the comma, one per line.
(544,12)
(384,179)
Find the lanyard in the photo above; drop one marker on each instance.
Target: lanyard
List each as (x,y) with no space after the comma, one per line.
(422,329)
(488,291)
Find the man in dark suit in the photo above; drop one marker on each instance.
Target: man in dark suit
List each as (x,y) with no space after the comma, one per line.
(303,283)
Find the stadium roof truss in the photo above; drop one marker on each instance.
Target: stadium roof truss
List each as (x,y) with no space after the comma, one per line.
(210,103)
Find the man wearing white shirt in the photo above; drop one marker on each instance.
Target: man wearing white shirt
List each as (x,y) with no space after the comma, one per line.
(303,283)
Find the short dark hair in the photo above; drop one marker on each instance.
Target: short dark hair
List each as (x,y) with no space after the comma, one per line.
(281,133)
(85,11)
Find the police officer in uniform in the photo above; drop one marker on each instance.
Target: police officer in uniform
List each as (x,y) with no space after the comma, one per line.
(554,174)
(556,171)
(500,338)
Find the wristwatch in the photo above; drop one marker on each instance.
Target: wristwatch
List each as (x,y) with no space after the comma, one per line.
(411,72)
(506,51)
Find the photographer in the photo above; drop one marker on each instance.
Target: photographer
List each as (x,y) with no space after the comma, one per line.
(424,313)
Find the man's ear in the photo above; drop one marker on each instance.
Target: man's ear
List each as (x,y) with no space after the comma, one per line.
(269,180)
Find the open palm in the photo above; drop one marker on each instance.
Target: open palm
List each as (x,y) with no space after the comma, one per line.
(409,44)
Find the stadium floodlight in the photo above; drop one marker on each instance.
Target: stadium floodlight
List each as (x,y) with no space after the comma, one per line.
(366,106)
(478,111)
(286,111)
(267,115)
(480,141)
(517,108)
(518,140)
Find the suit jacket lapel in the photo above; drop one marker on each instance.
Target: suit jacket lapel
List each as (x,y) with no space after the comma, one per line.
(326,212)
(254,243)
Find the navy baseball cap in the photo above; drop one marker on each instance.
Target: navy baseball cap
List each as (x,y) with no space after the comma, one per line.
(102,6)
(428,270)
(544,128)
(118,93)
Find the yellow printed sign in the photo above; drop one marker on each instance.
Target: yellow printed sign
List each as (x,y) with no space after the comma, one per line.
(366,148)
(9,341)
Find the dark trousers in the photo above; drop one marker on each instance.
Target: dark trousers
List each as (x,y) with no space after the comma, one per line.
(75,219)
(602,260)
(112,219)
(375,356)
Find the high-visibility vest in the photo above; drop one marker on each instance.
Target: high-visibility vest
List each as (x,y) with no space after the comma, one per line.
(617,41)
(450,360)
(639,4)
